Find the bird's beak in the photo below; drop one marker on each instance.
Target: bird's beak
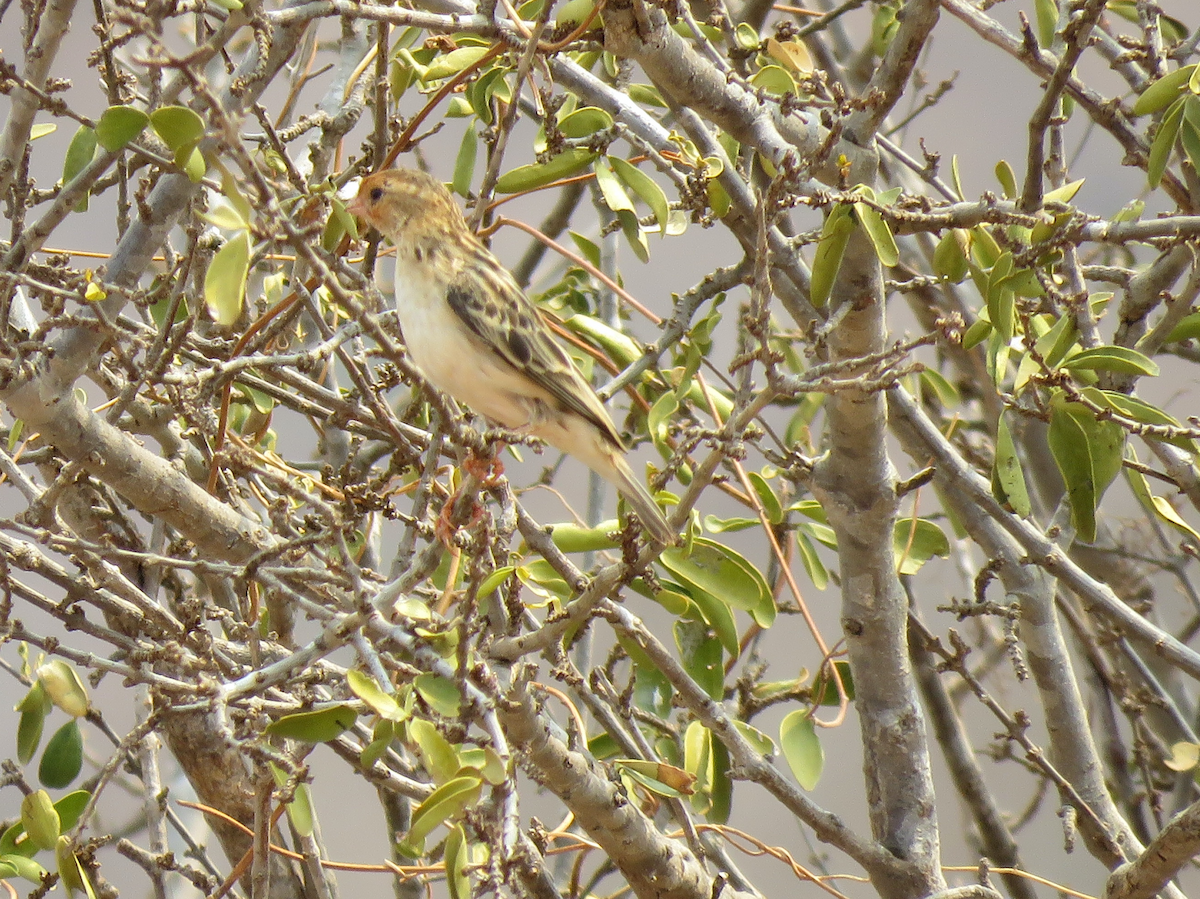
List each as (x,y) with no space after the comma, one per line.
(357,207)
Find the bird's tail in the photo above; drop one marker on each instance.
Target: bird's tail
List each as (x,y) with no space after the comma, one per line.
(643,503)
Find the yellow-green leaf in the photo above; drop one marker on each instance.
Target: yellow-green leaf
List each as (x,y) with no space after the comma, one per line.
(119,125)
(585,121)
(645,187)
(225,280)
(1163,92)
(453,62)
(79,155)
(317,726)
(40,819)
(1164,142)
(879,233)
(178,126)
(827,261)
(1113,358)
(1088,455)
(443,803)
(802,748)
(1008,478)
(529,177)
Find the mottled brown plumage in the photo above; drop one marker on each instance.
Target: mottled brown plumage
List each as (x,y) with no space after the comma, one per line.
(474,334)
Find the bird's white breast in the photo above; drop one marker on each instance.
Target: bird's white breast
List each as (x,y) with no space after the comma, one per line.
(453,359)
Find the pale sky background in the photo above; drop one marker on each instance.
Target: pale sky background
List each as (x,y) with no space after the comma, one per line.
(982,120)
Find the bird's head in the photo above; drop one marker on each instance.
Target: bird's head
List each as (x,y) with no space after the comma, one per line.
(396,200)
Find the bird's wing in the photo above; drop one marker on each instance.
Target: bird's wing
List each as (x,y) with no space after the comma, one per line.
(488,300)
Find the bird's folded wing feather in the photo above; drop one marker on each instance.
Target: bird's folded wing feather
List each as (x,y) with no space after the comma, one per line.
(512,327)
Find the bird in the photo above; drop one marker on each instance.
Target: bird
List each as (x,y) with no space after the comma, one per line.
(474,334)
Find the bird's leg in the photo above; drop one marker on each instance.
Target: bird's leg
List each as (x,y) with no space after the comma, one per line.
(485,468)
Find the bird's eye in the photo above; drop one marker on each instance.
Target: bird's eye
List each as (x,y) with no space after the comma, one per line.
(376,194)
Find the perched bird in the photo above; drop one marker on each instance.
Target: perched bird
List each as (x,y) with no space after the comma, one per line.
(474,334)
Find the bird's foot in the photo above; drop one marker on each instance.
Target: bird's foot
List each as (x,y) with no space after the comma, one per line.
(487,469)
(445,528)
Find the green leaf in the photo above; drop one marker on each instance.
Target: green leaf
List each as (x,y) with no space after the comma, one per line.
(44,129)
(381,739)
(63,757)
(879,233)
(1047,21)
(22,867)
(1008,180)
(119,125)
(464,163)
(456,857)
(529,177)
(40,819)
(179,127)
(1064,194)
(79,155)
(573,13)
(318,726)
(746,36)
(802,748)
(1189,137)
(454,62)
(835,235)
(826,690)
(632,229)
(950,256)
(1187,329)
(63,687)
(70,808)
(1140,411)
(191,160)
(1112,358)
(225,280)
(817,573)
(934,382)
(70,872)
(646,95)
(610,186)
(437,755)
(1088,455)
(917,541)
(1008,479)
(774,80)
(34,708)
(587,248)
(381,703)
(441,694)
(646,188)
(225,215)
(584,122)
(660,417)
(571,538)
(1164,142)
(700,653)
(712,567)
(1163,92)
(299,809)
(443,803)
(766,496)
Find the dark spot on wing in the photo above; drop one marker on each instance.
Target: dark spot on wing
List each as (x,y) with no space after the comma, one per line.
(467,305)
(520,346)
